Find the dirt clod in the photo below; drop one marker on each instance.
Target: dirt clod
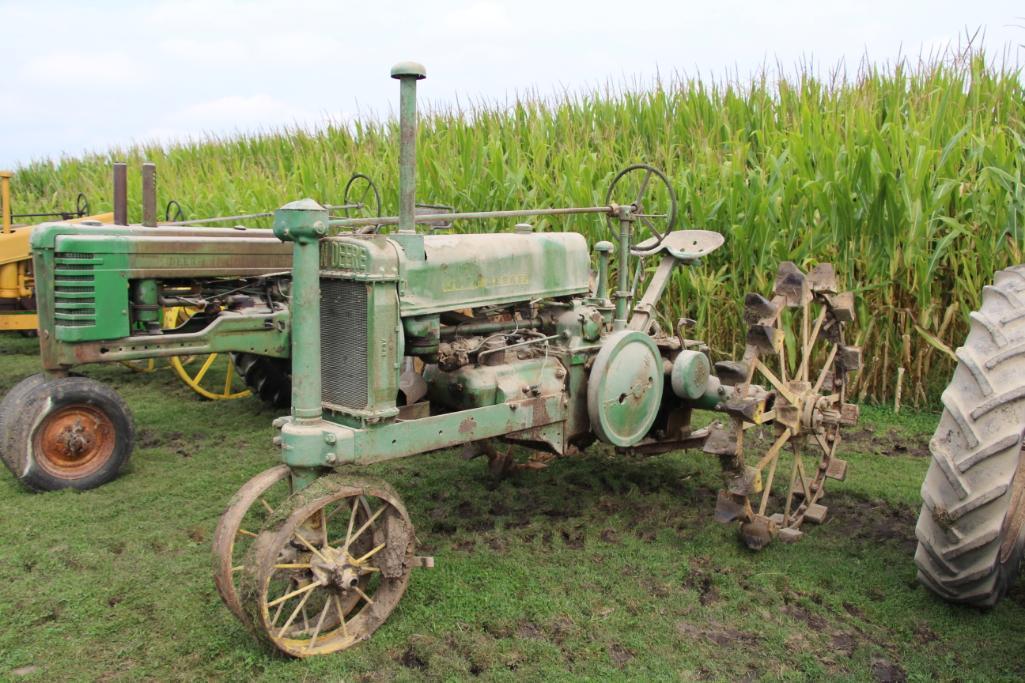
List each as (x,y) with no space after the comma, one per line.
(411,660)
(885,671)
(619,654)
(716,633)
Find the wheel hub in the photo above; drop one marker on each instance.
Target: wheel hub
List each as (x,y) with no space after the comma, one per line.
(75,440)
(336,568)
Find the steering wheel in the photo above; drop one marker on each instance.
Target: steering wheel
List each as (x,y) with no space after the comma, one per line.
(362,200)
(653,205)
(81,205)
(173,212)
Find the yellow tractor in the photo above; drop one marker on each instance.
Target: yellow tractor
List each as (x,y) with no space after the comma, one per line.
(17,295)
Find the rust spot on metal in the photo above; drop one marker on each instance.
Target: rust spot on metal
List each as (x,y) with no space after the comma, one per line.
(468,426)
(74,441)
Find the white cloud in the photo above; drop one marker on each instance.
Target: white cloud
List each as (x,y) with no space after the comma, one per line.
(83,69)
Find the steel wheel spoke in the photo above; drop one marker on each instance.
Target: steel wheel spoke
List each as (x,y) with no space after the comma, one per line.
(773,452)
(806,351)
(768,486)
(341,614)
(368,555)
(288,596)
(363,528)
(790,494)
(228,376)
(776,383)
(298,608)
(206,366)
(320,623)
(281,606)
(310,546)
(825,368)
(363,595)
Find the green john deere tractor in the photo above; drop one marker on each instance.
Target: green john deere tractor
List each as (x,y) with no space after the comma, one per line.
(213,301)
(405,343)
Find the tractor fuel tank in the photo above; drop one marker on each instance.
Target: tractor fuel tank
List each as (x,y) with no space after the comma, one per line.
(465,271)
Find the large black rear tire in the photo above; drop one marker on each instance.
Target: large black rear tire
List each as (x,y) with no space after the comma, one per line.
(971,530)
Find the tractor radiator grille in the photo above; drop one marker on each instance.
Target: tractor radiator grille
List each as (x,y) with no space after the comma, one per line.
(74,290)
(343,340)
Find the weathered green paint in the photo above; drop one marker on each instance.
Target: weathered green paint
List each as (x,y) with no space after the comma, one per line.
(326,443)
(604,249)
(474,386)
(623,294)
(625,388)
(690,374)
(85,274)
(464,271)
(90,295)
(408,73)
(304,223)
(146,304)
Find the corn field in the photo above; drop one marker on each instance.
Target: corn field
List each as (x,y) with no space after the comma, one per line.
(907,178)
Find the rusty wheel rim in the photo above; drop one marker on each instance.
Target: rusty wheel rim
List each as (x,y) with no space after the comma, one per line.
(330,575)
(74,441)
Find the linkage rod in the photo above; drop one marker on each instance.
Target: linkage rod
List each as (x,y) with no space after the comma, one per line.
(473,215)
(244,216)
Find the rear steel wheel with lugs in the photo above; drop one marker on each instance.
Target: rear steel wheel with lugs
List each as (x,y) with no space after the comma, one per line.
(971,530)
(795,348)
(329,566)
(269,378)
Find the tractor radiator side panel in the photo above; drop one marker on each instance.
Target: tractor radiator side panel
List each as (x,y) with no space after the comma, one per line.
(343,338)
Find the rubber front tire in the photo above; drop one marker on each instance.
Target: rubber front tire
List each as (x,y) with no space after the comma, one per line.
(11,405)
(971,530)
(70,432)
(269,378)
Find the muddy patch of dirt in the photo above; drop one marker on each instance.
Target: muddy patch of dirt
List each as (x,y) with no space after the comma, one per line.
(873,521)
(885,671)
(891,442)
(717,633)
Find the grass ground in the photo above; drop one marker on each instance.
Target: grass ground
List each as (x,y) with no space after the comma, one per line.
(597,567)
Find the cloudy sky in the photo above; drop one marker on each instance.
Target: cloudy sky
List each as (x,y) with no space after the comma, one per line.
(88,76)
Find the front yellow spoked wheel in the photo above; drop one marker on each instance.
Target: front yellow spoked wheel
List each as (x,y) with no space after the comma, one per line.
(212,376)
(329,567)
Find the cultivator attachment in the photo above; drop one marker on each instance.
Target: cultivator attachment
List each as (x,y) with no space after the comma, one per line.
(780,444)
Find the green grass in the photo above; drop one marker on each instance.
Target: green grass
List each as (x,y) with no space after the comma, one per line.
(908,177)
(597,567)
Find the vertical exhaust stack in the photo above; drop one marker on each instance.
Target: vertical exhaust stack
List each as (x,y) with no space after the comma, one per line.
(5,200)
(408,73)
(149,195)
(120,193)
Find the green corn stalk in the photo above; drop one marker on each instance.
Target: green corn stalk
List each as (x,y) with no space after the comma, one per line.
(907,178)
